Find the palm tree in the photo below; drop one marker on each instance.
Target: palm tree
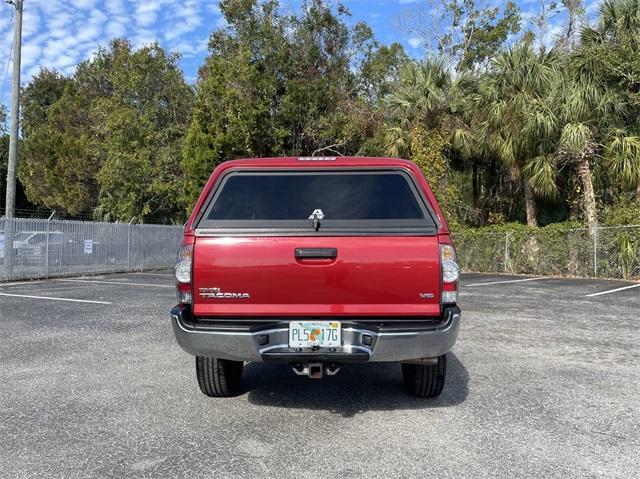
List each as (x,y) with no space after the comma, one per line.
(426,95)
(423,105)
(396,139)
(619,17)
(422,94)
(610,51)
(589,113)
(520,123)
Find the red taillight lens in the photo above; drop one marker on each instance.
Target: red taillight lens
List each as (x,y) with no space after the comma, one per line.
(450,273)
(183,273)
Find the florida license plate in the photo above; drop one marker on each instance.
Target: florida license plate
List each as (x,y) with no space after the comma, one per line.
(309,334)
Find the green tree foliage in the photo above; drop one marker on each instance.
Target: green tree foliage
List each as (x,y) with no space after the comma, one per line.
(109,137)
(609,52)
(429,151)
(611,46)
(142,121)
(57,164)
(42,92)
(275,84)
(520,122)
(590,116)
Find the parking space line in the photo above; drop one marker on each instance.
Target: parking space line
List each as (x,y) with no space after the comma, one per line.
(20,283)
(55,299)
(613,290)
(506,281)
(162,275)
(122,283)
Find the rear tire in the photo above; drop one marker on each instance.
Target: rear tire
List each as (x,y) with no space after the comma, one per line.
(218,377)
(425,381)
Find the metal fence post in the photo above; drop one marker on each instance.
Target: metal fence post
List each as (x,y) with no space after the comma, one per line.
(142,248)
(506,251)
(129,246)
(595,252)
(46,256)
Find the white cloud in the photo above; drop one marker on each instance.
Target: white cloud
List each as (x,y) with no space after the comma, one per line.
(214,7)
(8,40)
(54,48)
(143,37)
(115,7)
(5,19)
(30,23)
(221,23)
(147,12)
(61,20)
(415,42)
(30,54)
(115,29)
(89,32)
(83,4)
(33,71)
(592,8)
(191,48)
(58,34)
(97,16)
(551,35)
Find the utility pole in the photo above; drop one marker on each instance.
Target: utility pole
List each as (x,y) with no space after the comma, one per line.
(13,140)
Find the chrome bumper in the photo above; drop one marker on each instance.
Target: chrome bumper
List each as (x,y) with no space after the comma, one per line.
(361,341)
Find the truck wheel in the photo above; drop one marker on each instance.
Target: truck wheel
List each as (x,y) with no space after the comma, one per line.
(218,377)
(425,381)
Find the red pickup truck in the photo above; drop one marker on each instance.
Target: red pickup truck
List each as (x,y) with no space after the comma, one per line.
(316,262)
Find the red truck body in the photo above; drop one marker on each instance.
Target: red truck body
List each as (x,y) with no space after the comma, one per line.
(373,281)
(354,284)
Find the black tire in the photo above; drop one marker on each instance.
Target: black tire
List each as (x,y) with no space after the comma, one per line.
(425,381)
(218,377)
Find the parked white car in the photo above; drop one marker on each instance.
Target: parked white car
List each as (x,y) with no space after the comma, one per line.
(31,246)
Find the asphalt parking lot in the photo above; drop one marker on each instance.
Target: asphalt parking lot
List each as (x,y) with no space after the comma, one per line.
(543,382)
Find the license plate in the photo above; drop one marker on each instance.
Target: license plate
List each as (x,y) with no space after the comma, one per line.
(308,334)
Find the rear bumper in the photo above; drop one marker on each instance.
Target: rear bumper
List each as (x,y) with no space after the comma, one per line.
(362,340)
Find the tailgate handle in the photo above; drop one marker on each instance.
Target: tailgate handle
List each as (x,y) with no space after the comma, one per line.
(316,253)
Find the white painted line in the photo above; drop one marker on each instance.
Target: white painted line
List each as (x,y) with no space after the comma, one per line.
(502,282)
(116,283)
(18,283)
(613,290)
(162,275)
(55,299)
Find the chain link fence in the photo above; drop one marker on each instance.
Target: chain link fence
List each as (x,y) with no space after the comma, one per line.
(46,248)
(607,252)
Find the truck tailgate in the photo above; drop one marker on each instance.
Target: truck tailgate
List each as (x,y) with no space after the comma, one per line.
(369,276)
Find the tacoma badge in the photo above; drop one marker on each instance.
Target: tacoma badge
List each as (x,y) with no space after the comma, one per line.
(217,294)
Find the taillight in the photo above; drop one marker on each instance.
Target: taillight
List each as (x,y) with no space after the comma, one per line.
(450,274)
(183,273)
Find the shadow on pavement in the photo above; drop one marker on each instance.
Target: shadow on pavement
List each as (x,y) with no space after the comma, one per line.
(357,388)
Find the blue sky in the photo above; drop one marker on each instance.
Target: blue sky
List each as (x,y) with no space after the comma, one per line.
(61,33)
